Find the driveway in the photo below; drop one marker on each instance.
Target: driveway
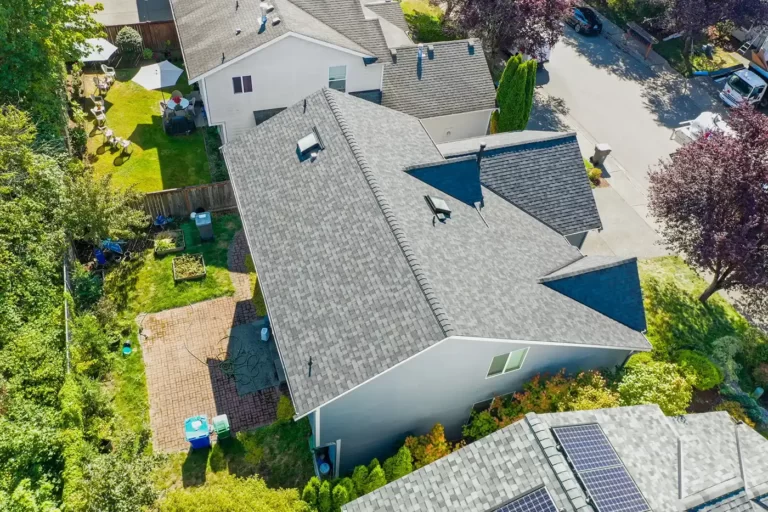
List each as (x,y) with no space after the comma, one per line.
(608,95)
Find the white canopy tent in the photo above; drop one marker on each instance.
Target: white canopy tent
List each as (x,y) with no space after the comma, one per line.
(158,76)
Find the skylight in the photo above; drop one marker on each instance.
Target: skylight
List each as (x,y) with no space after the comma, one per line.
(439,207)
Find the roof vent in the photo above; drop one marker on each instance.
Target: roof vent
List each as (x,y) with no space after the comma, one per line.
(237,31)
(310,142)
(269,7)
(471,46)
(275,20)
(439,207)
(431,51)
(393,52)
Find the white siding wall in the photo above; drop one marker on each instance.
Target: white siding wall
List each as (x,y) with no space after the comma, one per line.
(458,126)
(282,74)
(439,385)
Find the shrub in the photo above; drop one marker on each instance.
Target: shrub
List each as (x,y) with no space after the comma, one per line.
(760,374)
(129,41)
(79,140)
(90,346)
(656,383)
(309,494)
(324,497)
(429,447)
(480,425)
(86,287)
(590,397)
(373,465)
(285,410)
(376,479)
(593,173)
(350,486)
(639,359)
(700,371)
(359,477)
(147,53)
(724,352)
(736,411)
(340,497)
(398,465)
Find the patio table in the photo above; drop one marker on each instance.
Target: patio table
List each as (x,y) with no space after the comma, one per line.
(183,104)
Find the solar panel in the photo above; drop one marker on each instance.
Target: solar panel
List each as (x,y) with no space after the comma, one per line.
(536,501)
(614,490)
(587,447)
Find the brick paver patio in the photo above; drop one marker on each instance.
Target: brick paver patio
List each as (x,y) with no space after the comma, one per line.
(182,348)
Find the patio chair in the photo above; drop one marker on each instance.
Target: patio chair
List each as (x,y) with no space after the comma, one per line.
(98,101)
(117,142)
(101,85)
(109,135)
(109,72)
(125,144)
(191,106)
(100,117)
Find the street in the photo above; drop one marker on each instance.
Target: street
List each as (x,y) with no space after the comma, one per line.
(608,95)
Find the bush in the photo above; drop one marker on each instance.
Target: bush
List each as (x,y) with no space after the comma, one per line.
(340,497)
(324,497)
(736,411)
(90,347)
(373,465)
(639,359)
(700,371)
(376,479)
(86,287)
(429,447)
(147,53)
(309,494)
(398,465)
(656,383)
(593,173)
(285,410)
(724,352)
(760,374)
(79,140)
(480,424)
(351,489)
(129,41)
(359,477)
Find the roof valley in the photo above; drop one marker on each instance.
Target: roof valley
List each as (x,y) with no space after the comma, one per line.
(402,241)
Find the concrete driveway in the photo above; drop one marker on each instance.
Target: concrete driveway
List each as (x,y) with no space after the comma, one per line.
(608,95)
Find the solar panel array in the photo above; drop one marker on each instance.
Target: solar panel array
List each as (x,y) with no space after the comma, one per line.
(604,476)
(536,501)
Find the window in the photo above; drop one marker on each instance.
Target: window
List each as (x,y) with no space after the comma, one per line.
(506,363)
(242,84)
(337,78)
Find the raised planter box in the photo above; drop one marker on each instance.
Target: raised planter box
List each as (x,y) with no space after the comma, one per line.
(188,267)
(176,237)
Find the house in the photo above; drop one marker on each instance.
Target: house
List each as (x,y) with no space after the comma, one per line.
(401,289)
(252,60)
(622,459)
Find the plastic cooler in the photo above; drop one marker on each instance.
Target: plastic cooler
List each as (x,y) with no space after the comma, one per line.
(196,431)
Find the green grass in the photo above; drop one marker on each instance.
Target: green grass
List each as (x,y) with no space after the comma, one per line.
(158,161)
(257,298)
(279,453)
(146,283)
(425,20)
(672,51)
(131,400)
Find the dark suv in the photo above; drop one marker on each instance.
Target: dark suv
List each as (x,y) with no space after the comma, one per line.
(585,21)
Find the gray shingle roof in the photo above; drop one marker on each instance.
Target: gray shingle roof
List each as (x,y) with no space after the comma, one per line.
(207,28)
(545,177)
(355,273)
(646,441)
(455,80)
(390,11)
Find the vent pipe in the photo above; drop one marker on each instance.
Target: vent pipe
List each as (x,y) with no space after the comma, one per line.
(222,57)
(237,31)
(480,153)
(237,4)
(393,52)
(421,51)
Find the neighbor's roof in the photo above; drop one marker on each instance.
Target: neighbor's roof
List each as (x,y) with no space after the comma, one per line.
(541,173)
(358,275)
(682,463)
(452,79)
(391,11)
(208,28)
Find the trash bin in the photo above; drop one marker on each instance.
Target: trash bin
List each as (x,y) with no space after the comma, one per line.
(221,426)
(196,432)
(601,153)
(204,225)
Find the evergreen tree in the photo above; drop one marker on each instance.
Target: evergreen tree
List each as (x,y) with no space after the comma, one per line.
(350,486)
(324,497)
(340,497)
(376,479)
(515,94)
(399,465)
(359,478)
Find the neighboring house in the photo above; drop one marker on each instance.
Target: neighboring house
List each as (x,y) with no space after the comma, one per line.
(392,313)
(630,459)
(252,60)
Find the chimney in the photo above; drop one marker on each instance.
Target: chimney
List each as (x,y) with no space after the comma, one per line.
(480,153)
(471,46)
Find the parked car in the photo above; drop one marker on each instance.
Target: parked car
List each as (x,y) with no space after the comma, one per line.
(584,20)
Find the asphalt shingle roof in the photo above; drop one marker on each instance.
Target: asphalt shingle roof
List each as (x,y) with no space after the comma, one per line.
(208,28)
(390,11)
(356,273)
(491,471)
(453,79)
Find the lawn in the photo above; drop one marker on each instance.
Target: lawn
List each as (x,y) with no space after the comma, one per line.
(158,161)
(146,283)
(257,298)
(425,20)
(672,51)
(279,453)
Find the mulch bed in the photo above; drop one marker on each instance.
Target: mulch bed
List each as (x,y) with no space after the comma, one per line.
(704,401)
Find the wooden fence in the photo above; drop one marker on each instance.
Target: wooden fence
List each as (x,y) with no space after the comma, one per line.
(180,202)
(154,33)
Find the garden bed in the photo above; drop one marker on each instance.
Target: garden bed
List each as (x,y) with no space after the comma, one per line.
(168,242)
(188,267)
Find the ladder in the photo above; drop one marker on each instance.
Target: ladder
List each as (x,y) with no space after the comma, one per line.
(749,43)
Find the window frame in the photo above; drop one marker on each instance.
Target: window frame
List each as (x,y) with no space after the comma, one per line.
(505,370)
(237,83)
(249,82)
(337,80)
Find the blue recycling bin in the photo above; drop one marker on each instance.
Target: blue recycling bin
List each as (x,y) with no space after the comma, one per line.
(196,432)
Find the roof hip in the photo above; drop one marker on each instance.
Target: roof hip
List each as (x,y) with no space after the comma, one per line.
(389,215)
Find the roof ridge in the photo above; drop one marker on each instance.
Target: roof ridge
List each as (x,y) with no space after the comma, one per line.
(389,216)
(585,270)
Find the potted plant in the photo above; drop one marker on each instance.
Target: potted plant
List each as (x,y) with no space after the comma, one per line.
(167,242)
(188,266)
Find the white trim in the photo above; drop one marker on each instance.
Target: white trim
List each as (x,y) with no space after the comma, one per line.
(267,45)
(443,116)
(504,370)
(338,458)
(464,338)
(317,426)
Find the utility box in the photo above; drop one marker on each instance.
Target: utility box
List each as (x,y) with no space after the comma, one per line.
(221,426)
(204,225)
(601,153)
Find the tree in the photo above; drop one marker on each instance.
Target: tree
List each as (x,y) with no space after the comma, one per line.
(285,410)
(324,497)
(712,200)
(359,477)
(529,26)
(309,494)
(340,497)
(129,41)
(656,383)
(376,479)
(429,447)
(351,489)
(515,94)
(398,465)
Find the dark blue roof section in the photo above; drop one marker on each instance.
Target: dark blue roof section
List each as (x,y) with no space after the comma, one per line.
(459,178)
(546,179)
(374,96)
(606,284)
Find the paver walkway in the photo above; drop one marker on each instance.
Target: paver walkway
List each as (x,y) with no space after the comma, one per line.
(182,348)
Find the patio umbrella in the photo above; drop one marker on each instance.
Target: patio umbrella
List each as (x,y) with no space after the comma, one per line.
(99,50)
(158,76)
